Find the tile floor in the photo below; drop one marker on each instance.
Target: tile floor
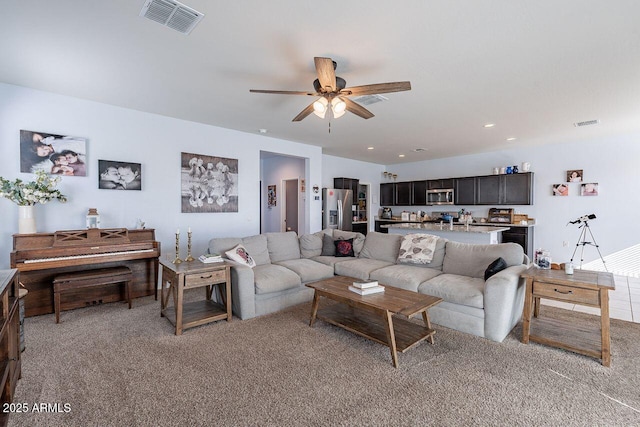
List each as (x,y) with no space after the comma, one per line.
(624,302)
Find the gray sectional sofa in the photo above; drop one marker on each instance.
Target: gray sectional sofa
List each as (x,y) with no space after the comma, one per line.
(286,262)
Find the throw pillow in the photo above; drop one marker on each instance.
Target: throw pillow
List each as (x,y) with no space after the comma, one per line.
(328,247)
(344,248)
(417,248)
(495,267)
(240,254)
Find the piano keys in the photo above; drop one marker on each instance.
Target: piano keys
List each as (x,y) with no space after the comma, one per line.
(41,256)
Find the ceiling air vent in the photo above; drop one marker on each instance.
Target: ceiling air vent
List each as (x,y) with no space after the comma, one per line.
(171,14)
(370,99)
(586,123)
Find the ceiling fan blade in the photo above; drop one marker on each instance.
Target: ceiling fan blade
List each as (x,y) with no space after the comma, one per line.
(376,88)
(356,109)
(284,92)
(326,73)
(304,113)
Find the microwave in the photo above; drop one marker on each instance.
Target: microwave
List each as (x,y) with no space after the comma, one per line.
(442,196)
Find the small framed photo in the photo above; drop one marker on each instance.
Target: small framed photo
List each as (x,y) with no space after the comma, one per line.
(114,175)
(589,189)
(574,175)
(560,189)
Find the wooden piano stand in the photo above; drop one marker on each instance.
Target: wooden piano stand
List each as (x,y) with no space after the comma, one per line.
(89,279)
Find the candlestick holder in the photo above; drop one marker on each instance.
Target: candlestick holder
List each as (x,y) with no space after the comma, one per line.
(177,260)
(189,258)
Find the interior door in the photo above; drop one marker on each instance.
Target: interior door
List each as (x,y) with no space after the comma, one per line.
(291,205)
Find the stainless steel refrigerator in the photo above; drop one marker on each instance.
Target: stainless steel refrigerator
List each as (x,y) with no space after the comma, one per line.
(337,208)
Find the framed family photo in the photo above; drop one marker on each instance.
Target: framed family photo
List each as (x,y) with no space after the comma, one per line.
(574,175)
(114,175)
(208,183)
(52,153)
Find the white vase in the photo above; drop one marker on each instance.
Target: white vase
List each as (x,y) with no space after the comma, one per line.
(26,219)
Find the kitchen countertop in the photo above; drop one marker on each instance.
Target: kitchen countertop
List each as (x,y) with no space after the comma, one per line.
(473,224)
(445,227)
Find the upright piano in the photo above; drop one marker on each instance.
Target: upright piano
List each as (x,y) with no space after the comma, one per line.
(41,256)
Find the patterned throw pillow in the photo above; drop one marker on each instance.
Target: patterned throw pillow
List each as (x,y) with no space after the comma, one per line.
(240,254)
(417,248)
(344,248)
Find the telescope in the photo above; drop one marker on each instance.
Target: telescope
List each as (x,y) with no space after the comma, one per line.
(583,218)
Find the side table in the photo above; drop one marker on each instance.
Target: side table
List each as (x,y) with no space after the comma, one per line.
(176,278)
(584,287)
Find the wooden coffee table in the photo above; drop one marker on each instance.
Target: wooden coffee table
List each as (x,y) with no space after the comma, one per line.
(372,316)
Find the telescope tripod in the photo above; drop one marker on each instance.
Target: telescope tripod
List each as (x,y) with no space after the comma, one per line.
(583,242)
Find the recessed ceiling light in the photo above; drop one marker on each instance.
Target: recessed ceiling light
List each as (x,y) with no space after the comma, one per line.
(369,148)
(263,130)
(489,125)
(400,155)
(511,139)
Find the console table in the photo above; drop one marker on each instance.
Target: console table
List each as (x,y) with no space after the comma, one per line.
(584,287)
(189,275)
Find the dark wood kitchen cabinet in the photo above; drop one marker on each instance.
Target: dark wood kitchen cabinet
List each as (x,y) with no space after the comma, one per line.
(488,189)
(510,189)
(419,193)
(464,191)
(439,184)
(522,236)
(347,184)
(387,194)
(402,193)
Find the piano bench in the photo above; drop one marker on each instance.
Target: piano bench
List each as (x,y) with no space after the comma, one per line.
(89,279)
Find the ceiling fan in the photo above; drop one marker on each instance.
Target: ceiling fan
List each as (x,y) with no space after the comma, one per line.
(333,94)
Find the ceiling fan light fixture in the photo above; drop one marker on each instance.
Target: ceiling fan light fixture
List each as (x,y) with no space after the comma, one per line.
(338,105)
(320,106)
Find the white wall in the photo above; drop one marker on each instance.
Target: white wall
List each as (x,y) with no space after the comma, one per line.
(155,141)
(274,171)
(366,173)
(614,163)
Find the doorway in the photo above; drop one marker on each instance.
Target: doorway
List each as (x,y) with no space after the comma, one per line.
(290,205)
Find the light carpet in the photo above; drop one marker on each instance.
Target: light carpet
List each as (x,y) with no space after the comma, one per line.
(120,367)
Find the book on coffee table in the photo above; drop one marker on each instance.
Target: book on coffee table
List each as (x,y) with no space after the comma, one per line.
(365,285)
(367,291)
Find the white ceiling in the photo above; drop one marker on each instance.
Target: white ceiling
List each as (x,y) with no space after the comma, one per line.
(533,68)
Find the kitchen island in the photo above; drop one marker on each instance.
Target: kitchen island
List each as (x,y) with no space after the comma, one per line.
(458,233)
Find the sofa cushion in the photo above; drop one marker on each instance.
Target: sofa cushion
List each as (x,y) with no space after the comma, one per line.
(283,246)
(308,270)
(328,260)
(344,248)
(241,255)
(358,239)
(220,245)
(381,246)
(404,276)
(417,248)
(273,278)
(471,260)
(257,247)
(359,268)
(311,244)
(455,289)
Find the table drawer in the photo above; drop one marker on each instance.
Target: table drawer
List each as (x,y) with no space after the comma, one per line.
(203,279)
(566,293)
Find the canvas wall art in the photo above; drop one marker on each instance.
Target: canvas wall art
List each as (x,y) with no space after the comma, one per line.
(114,175)
(54,154)
(560,190)
(589,189)
(208,183)
(272,198)
(575,175)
